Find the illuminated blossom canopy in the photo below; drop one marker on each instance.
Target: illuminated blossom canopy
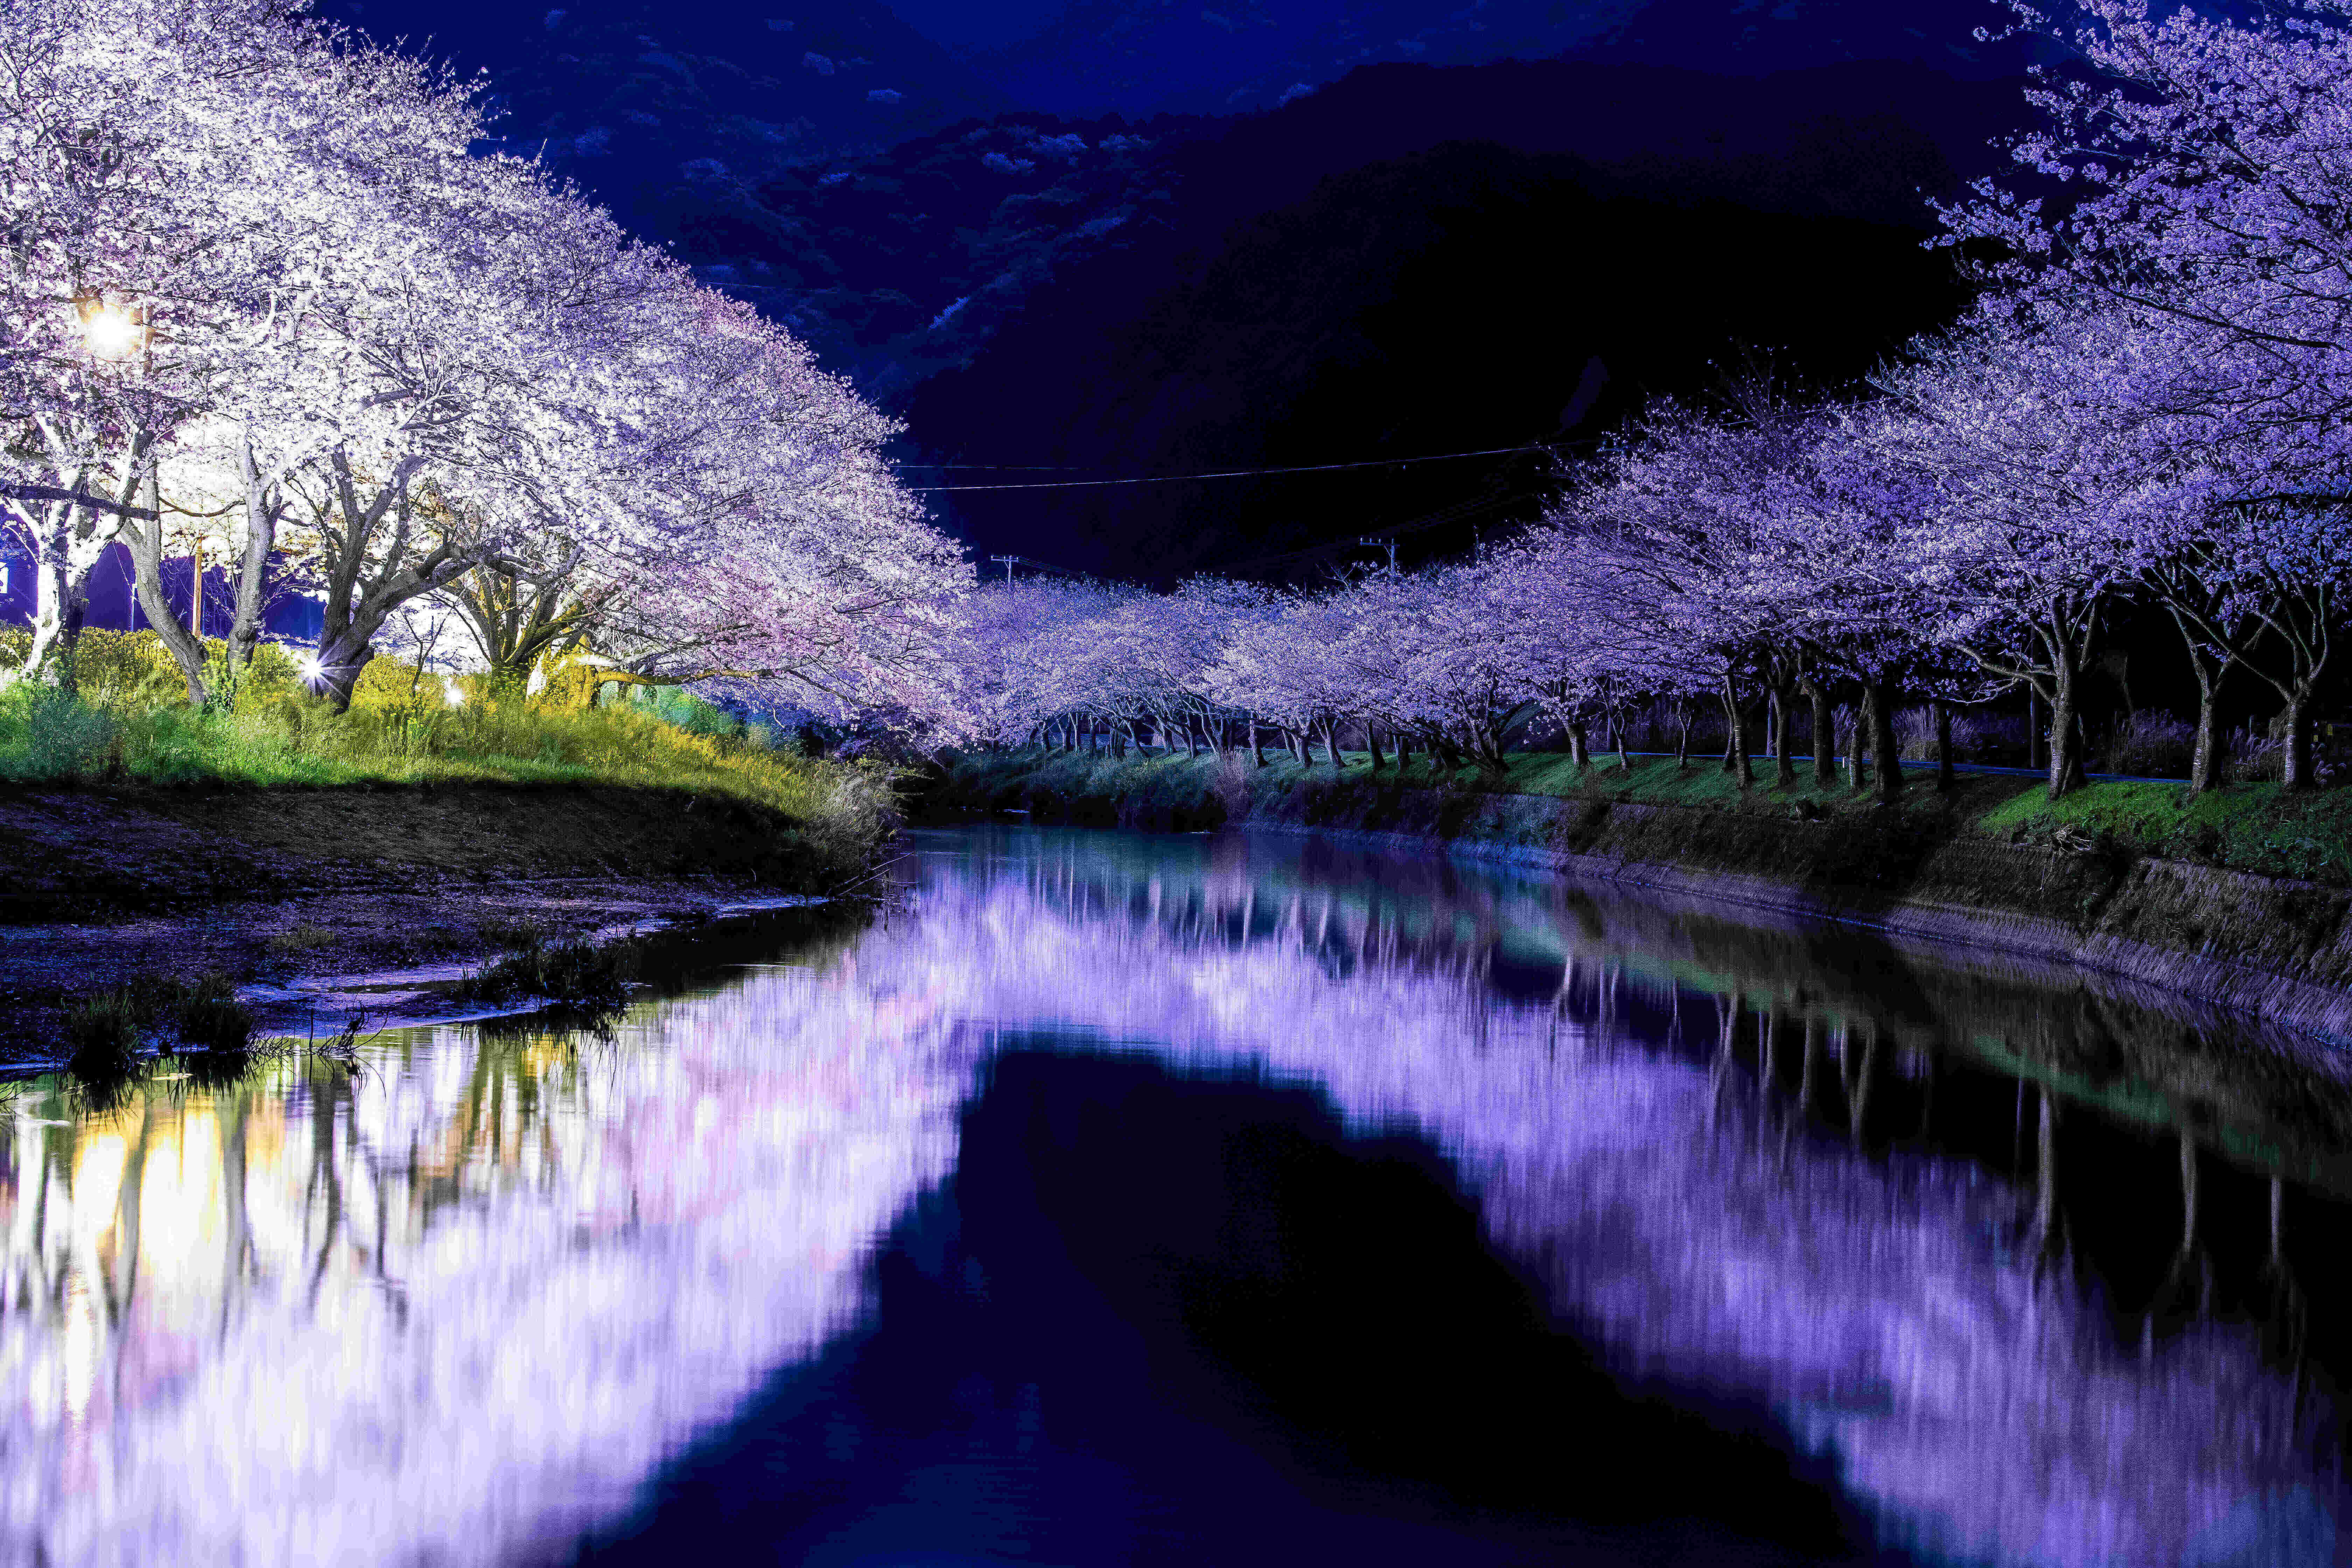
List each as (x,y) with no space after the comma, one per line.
(262,278)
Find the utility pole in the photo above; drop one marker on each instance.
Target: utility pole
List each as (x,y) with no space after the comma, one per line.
(1010,561)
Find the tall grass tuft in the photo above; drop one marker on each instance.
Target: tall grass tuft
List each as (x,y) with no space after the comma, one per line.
(106,1030)
(2151,743)
(209,1016)
(574,973)
(46,733)
(103,1034)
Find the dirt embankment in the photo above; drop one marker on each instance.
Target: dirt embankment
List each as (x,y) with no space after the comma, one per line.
(96,853)
(2272,946)
(286,887)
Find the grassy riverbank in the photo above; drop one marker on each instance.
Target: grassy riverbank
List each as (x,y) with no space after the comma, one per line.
(2243,897)
(121,796)
(48,737)
(2252,827)
(127,722)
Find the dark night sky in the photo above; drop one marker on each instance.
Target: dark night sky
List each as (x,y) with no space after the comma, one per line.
(1127,237)
(956,22)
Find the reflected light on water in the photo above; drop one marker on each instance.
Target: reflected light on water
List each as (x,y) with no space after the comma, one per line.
(439,1309)
(464,1303)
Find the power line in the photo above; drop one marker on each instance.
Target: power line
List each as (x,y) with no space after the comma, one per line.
(1460,511)
(1010,561)
(1223,473)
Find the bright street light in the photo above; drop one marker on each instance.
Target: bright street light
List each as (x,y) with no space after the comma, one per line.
(112,331)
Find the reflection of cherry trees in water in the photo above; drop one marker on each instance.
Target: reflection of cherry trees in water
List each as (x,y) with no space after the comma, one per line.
(439,1309)
(469,1298)
(1895,1307)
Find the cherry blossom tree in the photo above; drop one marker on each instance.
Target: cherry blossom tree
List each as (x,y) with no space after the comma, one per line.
(2200,162)
(2021,500)
(260,266)
(144,223)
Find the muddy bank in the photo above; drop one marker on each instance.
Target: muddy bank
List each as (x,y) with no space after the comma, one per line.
(301,890)
(2275,947)
(309,963)
(100,853)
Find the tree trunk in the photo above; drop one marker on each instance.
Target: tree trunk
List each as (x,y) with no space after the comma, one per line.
(69,544)
(2205,760)
(1257,742)
(1784,765)
(1617,741)
(1372,744)
(2034,758)
(146,542)
(1735,750)
(1944,775)
(1580,744)
(1682,715)
(2066,743)
(1885,750)
(2297,772)
(1824,733)
(1858,744)
(1332,741)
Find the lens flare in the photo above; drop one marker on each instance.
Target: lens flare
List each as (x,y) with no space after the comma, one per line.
(112,332)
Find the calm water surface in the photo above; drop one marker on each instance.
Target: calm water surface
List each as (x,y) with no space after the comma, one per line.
(1133,1199)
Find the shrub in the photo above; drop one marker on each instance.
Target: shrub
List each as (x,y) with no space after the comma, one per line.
(302,938)
(2151,743)
(50,734)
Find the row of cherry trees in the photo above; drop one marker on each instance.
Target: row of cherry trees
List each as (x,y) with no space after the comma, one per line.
(265,302)
(2149,404)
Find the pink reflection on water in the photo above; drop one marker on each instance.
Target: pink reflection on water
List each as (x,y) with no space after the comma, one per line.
(458,1304)
(462,1305)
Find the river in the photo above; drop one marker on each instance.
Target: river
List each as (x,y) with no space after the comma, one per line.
(1118,1198)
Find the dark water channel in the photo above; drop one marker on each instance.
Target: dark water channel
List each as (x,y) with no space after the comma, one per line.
(1122,1199)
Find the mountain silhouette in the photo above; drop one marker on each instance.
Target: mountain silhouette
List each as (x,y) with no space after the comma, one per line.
(1143,239)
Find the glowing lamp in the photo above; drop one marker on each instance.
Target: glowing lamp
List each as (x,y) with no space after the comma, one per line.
(311,669)
(112,331)
(454,697)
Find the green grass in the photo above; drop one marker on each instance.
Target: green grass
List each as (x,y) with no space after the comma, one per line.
(2252,826)
(106,1030)
(2257,827)
(129,723)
